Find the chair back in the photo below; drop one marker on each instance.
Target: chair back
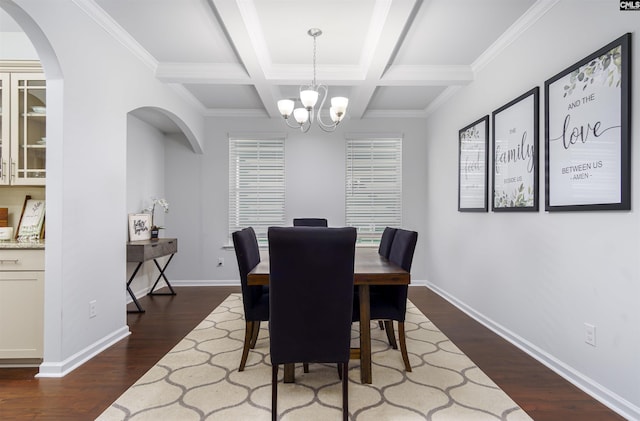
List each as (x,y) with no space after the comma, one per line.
(247,250)
(395,296)
(385,241)
(402,248)
(311,293)
(310,222)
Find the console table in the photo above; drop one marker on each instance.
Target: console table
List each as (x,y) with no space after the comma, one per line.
(143,250)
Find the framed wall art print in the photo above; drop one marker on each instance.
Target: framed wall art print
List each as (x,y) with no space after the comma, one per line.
(515,154)
(473,160)
(139,226)
(587,133)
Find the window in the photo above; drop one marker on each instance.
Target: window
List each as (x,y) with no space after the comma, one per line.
(374,186)
(256,185)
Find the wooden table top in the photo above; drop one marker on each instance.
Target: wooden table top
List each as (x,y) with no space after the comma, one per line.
(370,269)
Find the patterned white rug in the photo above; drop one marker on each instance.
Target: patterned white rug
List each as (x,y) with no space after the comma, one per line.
(199,380)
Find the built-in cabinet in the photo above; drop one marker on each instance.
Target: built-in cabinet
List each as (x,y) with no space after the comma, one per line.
(23,145)
(21,305)
(23,137)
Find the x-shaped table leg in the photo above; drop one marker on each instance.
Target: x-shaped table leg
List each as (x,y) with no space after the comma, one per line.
(162,269)
(135,300)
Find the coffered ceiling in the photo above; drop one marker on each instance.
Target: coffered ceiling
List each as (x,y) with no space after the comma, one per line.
(398,58)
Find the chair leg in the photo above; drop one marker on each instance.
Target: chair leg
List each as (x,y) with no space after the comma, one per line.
(403,346)
(345,391)
(340,371)
(274,392)
(248,333)
(391,334)
(305,367)
(381,324)
(254,334)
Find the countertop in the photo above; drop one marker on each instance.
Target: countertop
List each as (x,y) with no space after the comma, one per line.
(12,245)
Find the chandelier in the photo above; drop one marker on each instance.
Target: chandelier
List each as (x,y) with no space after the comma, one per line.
(305,116)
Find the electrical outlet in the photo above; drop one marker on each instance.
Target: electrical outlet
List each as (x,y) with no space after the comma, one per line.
(220,261)
(92,309)
(590,334)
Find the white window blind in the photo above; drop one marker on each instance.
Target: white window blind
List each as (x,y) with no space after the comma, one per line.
(256,185)
(374,186)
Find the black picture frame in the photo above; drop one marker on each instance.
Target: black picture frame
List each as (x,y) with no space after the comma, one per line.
(587,132)
(473,166)
(515,144)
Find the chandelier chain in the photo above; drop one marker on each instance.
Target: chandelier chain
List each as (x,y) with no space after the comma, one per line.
(315,38)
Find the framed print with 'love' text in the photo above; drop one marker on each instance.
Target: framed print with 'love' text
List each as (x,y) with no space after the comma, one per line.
(587,158)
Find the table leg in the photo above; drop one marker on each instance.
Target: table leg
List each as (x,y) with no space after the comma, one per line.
(162,275)
(365,335)
(133,297)
(289,373)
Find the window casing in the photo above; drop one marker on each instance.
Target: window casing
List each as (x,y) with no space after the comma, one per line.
(373,186)
(256,185)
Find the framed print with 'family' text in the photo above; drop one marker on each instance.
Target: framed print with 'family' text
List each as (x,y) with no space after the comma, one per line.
(515,154)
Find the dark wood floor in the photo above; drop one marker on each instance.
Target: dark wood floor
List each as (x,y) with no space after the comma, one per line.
(87,391)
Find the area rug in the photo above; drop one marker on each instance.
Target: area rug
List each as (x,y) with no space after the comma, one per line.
(199,380)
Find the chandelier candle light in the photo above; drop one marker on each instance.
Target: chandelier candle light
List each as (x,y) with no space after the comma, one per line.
(304,116)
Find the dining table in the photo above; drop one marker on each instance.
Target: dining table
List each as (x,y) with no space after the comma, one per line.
(369,269)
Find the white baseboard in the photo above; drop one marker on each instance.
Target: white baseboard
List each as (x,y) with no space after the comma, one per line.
(597,391)
(186,283)
(61,369)
(206,283)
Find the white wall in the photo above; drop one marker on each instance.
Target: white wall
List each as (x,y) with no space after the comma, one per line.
(538,277)
(16,46)
(315,186)
(93,81)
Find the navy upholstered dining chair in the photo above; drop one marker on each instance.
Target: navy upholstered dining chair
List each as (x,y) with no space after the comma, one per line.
(389,302)
(255,298)
(310,299)
(385,241)
(310,222)
(383,250)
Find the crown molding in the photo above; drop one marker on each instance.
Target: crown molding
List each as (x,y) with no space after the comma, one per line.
(230,112)
(441,99)
(531,16)
(24,66)
(394,114)
(227,73)
(427,75)
(185,94)
(95,12)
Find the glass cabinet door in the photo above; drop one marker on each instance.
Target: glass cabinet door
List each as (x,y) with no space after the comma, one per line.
(29,137)
(5,143)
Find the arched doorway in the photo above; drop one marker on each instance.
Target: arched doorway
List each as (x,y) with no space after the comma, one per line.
(54,130)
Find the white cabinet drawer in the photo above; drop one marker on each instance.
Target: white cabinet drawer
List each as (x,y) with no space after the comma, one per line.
(21,315)
(14,260)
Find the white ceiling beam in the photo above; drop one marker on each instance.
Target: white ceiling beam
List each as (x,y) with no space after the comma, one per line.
(385,31)
(327,74)
(233,15)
